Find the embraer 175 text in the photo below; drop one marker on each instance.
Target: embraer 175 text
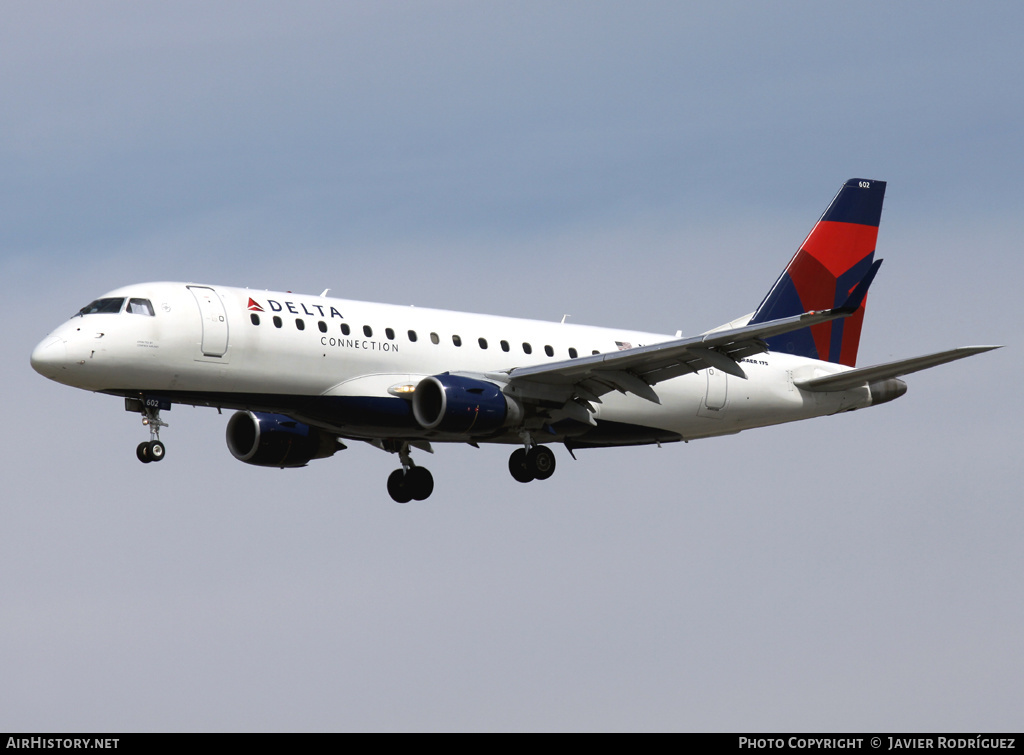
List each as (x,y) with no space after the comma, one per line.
(306,372)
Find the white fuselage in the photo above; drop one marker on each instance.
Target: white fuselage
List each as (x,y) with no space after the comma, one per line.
(261,350)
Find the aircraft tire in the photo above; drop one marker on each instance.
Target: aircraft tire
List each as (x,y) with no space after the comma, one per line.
(541,462)
(142,452)
(420,483)
(156,450)
(518,466)
(399,491)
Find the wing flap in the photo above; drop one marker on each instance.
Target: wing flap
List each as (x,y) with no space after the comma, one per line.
(627,382)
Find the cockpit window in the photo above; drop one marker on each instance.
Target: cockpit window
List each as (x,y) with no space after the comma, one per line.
(140,307)
(102,307)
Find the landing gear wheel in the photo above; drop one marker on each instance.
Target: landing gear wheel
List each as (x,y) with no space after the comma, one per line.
(518,466)
(142,451)
(419,482)
(540,461)
(156,450)
(397,487)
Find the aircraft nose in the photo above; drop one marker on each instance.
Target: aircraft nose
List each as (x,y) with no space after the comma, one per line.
(50,356)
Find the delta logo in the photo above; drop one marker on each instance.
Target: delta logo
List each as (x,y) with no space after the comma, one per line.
(299,308)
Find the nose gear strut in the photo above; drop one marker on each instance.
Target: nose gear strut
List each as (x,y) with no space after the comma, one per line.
(153,449)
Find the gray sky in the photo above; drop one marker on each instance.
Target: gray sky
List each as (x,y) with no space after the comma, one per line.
(650,165)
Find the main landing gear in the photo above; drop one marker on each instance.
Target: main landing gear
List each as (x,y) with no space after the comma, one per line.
(534,463)
(410,482)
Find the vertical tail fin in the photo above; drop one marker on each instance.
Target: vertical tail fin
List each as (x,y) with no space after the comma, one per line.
(833,258)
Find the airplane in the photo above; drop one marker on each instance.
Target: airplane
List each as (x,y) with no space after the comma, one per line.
(306,373)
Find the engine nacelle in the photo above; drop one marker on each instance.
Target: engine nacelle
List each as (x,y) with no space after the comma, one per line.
(276,440)
(462,405)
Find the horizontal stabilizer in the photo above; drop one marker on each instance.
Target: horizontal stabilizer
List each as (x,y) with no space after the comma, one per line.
(855,378)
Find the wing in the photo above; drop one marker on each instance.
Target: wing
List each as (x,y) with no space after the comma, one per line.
(650,365)
(574,383)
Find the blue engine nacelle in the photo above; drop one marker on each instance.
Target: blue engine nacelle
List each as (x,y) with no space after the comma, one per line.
(462,405)
(276,440)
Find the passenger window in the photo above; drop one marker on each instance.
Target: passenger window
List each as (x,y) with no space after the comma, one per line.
(389,333)
(277,321)
(140,307)
(482,342)
(504,345)
(434,338)
(412,336)
(255,318)
(527,348)
(323,326)
(300,323)
(367,331)
(457,340)
(549,351)
(572,353)
(345,329)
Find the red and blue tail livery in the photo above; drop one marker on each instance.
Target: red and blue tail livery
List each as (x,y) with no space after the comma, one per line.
(833,259)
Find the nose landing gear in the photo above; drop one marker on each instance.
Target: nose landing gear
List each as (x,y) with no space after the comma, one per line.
(153,449)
